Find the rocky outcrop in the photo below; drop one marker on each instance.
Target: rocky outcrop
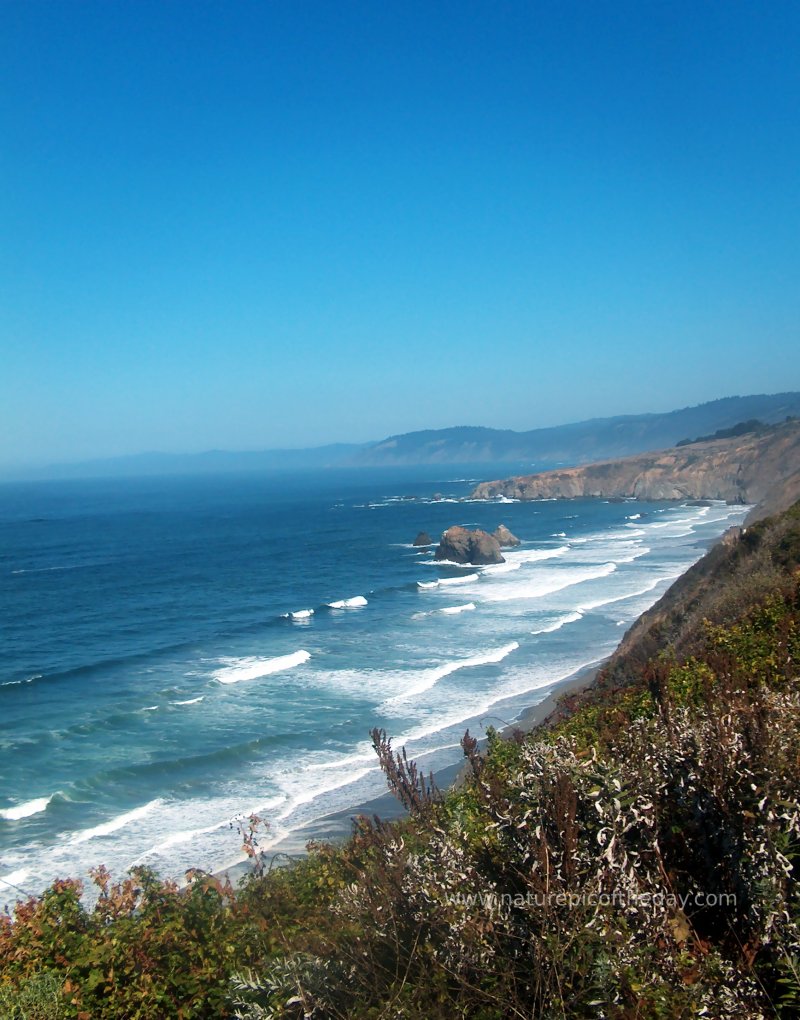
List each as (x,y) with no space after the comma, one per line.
(505,538)
(460,545)
(423,538)
(744,469)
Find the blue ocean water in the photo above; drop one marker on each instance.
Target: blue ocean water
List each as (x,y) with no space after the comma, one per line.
(177,652)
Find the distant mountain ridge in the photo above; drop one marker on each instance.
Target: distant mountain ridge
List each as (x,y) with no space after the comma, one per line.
(571,444)
(595,439)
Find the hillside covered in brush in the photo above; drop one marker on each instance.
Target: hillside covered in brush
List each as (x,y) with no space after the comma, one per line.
(636,857)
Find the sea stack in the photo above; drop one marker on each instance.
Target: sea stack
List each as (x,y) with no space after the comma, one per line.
(460,545)
(423,538)
(504,537)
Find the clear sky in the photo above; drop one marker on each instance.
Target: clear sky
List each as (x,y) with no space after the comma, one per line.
(250,225)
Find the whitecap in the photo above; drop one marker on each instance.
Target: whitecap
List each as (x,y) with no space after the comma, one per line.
(501,568)
(535,555)
(355,602)
(473,709)
(585,607)
(555,580)
(453,610)
(301,614)
(562,621)
(14,878)
(191,701)
(444,581)
(106,828)
(251,667)
(457,580)
(447,563)
(428,678)
(189,835)
(30,807)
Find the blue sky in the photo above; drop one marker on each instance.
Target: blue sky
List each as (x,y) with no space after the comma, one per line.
(250,225)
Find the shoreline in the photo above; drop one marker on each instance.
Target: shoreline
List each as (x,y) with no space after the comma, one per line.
(337,826)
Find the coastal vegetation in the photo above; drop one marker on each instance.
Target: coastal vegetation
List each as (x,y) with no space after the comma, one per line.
(637,856)
(741,429)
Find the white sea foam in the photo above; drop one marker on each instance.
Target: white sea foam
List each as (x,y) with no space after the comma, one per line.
(251,667)
(191,701)
(30,807)
(446,581)
(452,610)
(353,603)
(608,600)
(14,878)
(633,553)
(501,568)
(363,753)
(301,614)
(307,794)
(466,579)
(634,517)
(537,586)
(535,555)
(486,700)
(116,823)
(429,677)
(190,835)
(562,621)
(631,531)
(447,563)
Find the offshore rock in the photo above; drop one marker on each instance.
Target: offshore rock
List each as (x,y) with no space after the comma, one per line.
(505,538)
(423,538)
(460,545)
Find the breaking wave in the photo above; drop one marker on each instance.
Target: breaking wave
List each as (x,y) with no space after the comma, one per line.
(251,668)
(353,603)
(30,807)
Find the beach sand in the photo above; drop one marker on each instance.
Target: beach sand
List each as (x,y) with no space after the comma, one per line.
(337,826)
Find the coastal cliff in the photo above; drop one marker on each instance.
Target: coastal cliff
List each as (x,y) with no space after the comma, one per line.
(761,468)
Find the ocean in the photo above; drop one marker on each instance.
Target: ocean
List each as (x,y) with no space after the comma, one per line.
(179,652)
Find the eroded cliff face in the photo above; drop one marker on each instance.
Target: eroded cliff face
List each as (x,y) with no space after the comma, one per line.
(748,469)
